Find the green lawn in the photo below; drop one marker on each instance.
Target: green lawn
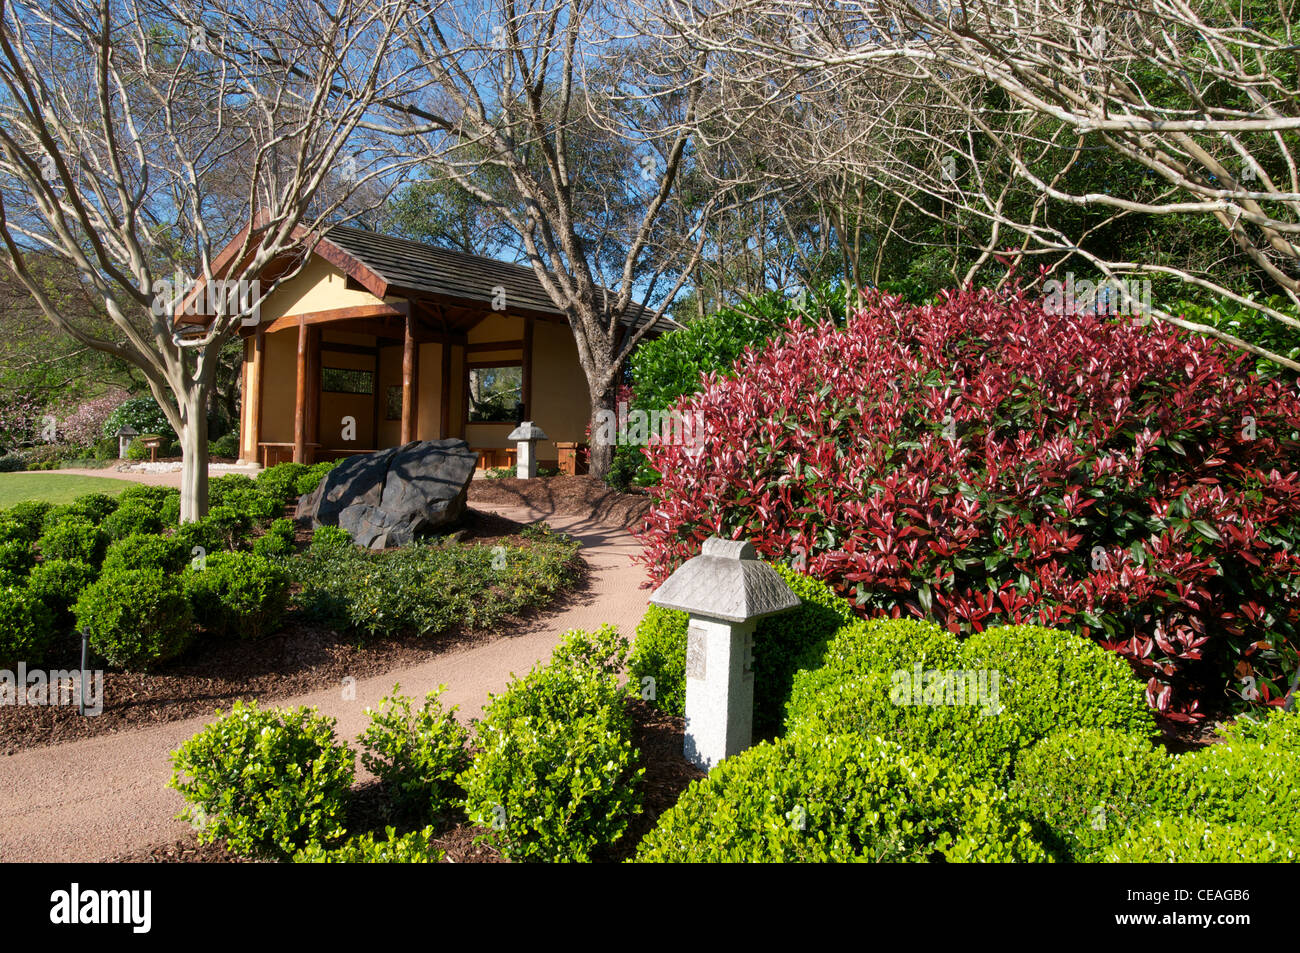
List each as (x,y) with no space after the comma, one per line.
(53,487)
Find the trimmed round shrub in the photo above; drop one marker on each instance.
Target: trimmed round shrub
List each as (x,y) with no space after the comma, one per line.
(170,510)
(416,754)
(1051,679)
(29,517)
(137,618)
(1080,788)
(16,558)
(278,540)
(838,798)
(978,702)
(26,627)
(134,517)
(280,481)
(413,848)
(555,776)
(153,496)
(74,538)
(95,507)
(986,460)
(252,503)
(1182,840)
(222,529)
(269,782)
(167,554)
(783,644)
(58,583)
(1239,782)
(241,595)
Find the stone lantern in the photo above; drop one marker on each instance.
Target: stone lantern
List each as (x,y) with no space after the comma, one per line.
(526,434)
(725,590)
(124,437)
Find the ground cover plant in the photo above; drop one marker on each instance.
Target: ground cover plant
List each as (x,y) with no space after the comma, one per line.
(984,461)
(430,586)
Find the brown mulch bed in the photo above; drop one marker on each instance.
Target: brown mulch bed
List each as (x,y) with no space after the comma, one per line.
(302,657)
(577,495)
(657,736)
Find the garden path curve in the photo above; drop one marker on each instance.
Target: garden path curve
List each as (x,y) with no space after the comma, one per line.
(98,798)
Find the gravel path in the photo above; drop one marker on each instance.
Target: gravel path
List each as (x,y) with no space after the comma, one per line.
(99,798)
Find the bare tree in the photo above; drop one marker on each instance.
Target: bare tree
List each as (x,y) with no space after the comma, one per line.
(983,114)
(124,125)
(545,111)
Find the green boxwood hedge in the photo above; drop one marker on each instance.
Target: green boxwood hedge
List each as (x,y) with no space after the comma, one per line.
(1183,840)
(270,782)
(838,798)
(26,627)
(237,595)
(136,618)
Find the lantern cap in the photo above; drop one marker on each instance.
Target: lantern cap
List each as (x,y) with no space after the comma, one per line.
(726,581)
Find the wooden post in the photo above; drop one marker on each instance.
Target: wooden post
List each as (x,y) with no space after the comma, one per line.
(255,392)
(300,398)
(312,413)
(410,383)
(526,375)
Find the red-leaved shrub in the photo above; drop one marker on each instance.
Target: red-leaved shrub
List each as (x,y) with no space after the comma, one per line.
(983,461)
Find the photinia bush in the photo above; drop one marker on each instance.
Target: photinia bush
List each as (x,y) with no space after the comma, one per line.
(980,461)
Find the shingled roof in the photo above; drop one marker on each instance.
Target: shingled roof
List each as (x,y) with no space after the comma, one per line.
(414,268)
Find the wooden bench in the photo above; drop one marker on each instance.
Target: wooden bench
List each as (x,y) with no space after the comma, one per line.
(273,453)
(491,457)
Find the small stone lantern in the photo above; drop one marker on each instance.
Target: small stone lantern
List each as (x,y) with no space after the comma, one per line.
(124,438)
(726,590)
(527,434)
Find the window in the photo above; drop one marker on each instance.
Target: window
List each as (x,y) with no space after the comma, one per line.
(496,394)
(347,380)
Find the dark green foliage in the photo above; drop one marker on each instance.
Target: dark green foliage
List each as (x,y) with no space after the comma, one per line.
(29,516)
(16,557)
(136,618)
(74,538)
(94,507)
(309,480)
(237,595)
(137,516)
(270,783)
(280,481)
(427,588)
(57,584)
(167,554)
(278,541)
(142,414)
(26,627)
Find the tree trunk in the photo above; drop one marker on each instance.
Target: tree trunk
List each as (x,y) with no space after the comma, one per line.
(194,455)
(602,452)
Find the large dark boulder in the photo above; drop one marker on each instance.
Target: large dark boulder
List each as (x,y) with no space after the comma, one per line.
(390,497)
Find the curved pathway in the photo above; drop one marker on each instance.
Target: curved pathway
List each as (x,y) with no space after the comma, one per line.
(95,799)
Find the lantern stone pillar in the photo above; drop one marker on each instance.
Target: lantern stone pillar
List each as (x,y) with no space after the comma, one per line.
(526,436)
(725,590)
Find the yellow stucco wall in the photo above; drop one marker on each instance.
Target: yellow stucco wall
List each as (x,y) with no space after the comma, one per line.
(560,403)
(318,287)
